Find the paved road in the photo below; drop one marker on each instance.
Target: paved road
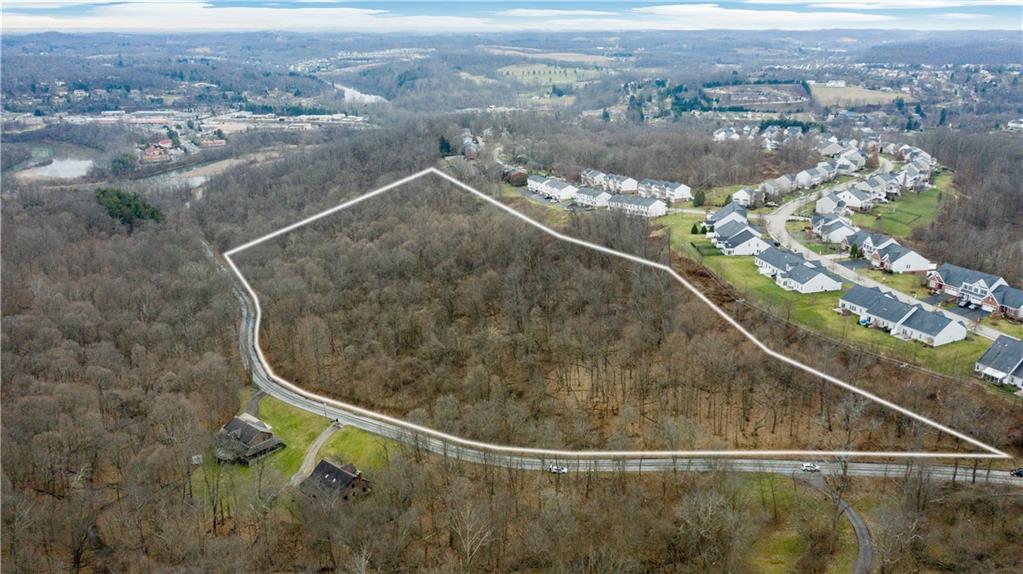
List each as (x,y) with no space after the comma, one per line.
(776,229)
(310,460)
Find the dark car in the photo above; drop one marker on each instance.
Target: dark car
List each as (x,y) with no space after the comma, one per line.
(1017,472)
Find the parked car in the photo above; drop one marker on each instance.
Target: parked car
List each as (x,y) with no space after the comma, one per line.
(555,469)
(1017,472)
(810,467)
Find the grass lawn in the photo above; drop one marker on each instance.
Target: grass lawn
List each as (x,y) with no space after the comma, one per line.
(365,450)
(779,546)
(798,231)
(718,196)
(680,225)
(911,211)
(904,282)
(1007,327)
(296,427)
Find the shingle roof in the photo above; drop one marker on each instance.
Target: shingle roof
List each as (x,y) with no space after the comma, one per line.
(926,321)
(862,296)
(1005,355)
(1009,297)
(739,238)
(889,309)
(955,275)
(634,200)
(328,477)
(780,258)
(727,209)
(730,228)
(807,271)
(590,192)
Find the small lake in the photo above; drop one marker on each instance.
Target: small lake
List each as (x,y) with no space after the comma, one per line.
(60,169)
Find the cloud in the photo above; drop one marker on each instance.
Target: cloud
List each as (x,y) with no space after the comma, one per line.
(713,16)
(550,13)
(291,15)
(889,4)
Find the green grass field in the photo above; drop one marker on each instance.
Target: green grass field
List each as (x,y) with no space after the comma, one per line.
(546,74)
(365,450)
(296,427)
(911,211)
(904,282)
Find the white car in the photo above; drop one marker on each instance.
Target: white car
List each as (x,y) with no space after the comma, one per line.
(810,467)
(555,469)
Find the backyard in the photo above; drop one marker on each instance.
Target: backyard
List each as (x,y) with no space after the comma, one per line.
(911,211)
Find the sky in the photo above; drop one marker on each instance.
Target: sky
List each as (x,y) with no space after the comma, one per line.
(505,15)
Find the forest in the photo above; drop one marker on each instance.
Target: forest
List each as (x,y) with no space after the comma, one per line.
(120,361)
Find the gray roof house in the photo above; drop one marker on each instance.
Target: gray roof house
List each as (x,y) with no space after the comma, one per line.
(966,284)
(1002,362)
(808,277)
(911,322)
(731,211)
(334,483)
(1010,300)
(773,260)
(244,439)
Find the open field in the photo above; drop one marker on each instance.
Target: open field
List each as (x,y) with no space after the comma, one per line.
(911,211)
(363,449)
(546,74)
(904,282)
(574,57)
(853,96)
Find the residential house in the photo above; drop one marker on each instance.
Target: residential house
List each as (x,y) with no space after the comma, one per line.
(856,199)
(335,484)
(867,243)
(832,228)
(620,183)
(635,205)
(879,309)
(830,203)
(746,242)
(830,148)
(1002,362)
(593,178)
(743,197)
(898,259)
(668,190)
(592,197)
(805,180)
(930,328)
(808,277)
(243,439)
(730,229)
(773,261)
(967,285)
(559,189)
(785,183)
(730,212)
(536,184)
(1010,301)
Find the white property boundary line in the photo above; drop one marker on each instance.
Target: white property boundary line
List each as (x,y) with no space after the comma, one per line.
(991,451)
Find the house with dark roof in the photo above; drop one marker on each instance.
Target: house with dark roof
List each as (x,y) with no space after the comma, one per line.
(1002,362)
(1010,301)
(808,277)
(856,199)
(746,242)
(730,229)
(930,328)
(773,261)
(243,439)
(830,203)
(898,259)
(335,484)
(730,212)
(635,205)
(879,309)
(967,285)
